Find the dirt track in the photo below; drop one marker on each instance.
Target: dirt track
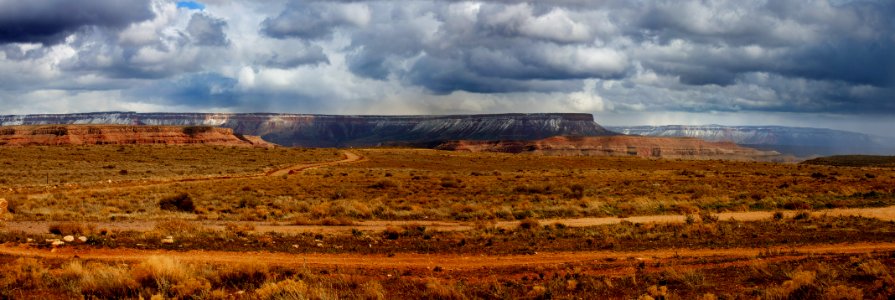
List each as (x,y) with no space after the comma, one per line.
(350,157)
(447,261)
(882,213)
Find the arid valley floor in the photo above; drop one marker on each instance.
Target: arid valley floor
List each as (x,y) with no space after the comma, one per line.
(217,222)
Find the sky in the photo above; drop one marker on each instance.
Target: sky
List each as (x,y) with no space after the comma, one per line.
(818,63)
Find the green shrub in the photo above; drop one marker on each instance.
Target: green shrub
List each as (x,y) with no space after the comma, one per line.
(179,202)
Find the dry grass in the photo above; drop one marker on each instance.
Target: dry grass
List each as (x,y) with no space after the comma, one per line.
(27,166)
(478,188)
(823,277)
(435,185)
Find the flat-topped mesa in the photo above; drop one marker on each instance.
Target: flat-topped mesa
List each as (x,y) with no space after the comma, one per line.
(51,135)
(350,130)
(637,146)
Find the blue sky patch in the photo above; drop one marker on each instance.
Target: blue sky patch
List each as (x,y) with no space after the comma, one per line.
(190,5)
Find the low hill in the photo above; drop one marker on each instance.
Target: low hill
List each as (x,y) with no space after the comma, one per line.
(29,135)
(853,161)
(648,147)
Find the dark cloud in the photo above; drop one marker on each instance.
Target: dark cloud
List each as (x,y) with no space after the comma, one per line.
(792,56)
(196,90)
(51,21)
(207,31)
(313,19)
(295,57)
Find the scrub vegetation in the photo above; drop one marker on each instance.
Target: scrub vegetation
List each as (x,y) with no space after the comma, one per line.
(222,223)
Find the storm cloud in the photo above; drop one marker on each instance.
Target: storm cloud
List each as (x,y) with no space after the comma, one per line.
(51,21)
(801,58)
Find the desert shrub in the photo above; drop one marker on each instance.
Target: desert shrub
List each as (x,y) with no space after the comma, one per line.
(802,215)
(576,191)
(450,183)
(194,130)
(23,273)
(796,205)
(180,202)
(97,280)
(529,224)
(392,233)
(70,228)
(435,289)
(372,290)
(843,292)
(177,227)
(337,221)
(168,276)
(778,215)
(291,289)
(707,217)
(802,285)
(242,276)
(7,131)
(384,184)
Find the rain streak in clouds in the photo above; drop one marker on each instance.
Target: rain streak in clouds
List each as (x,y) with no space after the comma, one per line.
(790,62)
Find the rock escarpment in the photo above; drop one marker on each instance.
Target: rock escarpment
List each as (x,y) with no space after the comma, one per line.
(51,135)
(799,141)
(649,147)
(344,131)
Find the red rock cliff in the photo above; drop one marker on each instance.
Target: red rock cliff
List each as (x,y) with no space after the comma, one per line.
(124,135)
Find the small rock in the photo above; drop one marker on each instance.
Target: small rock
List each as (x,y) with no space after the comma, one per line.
(68,238)
(57,243)
(168,240)
(295,246)
(28,240)
(319,244)
(83,239)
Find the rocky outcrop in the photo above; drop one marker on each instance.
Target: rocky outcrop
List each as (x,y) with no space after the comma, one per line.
(344,131)
(28,135)
(648,147)
(799,141)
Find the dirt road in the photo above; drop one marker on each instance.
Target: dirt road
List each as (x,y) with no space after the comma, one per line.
(350,157)
(881,213)
(446,261)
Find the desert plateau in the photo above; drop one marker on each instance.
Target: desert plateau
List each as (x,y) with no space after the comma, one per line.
(443,149)
(185,215)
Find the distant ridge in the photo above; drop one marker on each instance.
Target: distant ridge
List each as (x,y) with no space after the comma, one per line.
(798,141)
(309,130)
(59,135)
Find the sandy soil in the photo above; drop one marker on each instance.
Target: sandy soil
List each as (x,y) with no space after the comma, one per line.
(350,157)
(447,261)
(881,213)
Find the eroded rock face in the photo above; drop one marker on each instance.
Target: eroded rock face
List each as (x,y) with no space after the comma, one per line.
(123,135)
(797,141)
(648,147)
(344,131)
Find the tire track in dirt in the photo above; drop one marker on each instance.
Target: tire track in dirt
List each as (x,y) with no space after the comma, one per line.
(881,213)
(447,261)
(350,157)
